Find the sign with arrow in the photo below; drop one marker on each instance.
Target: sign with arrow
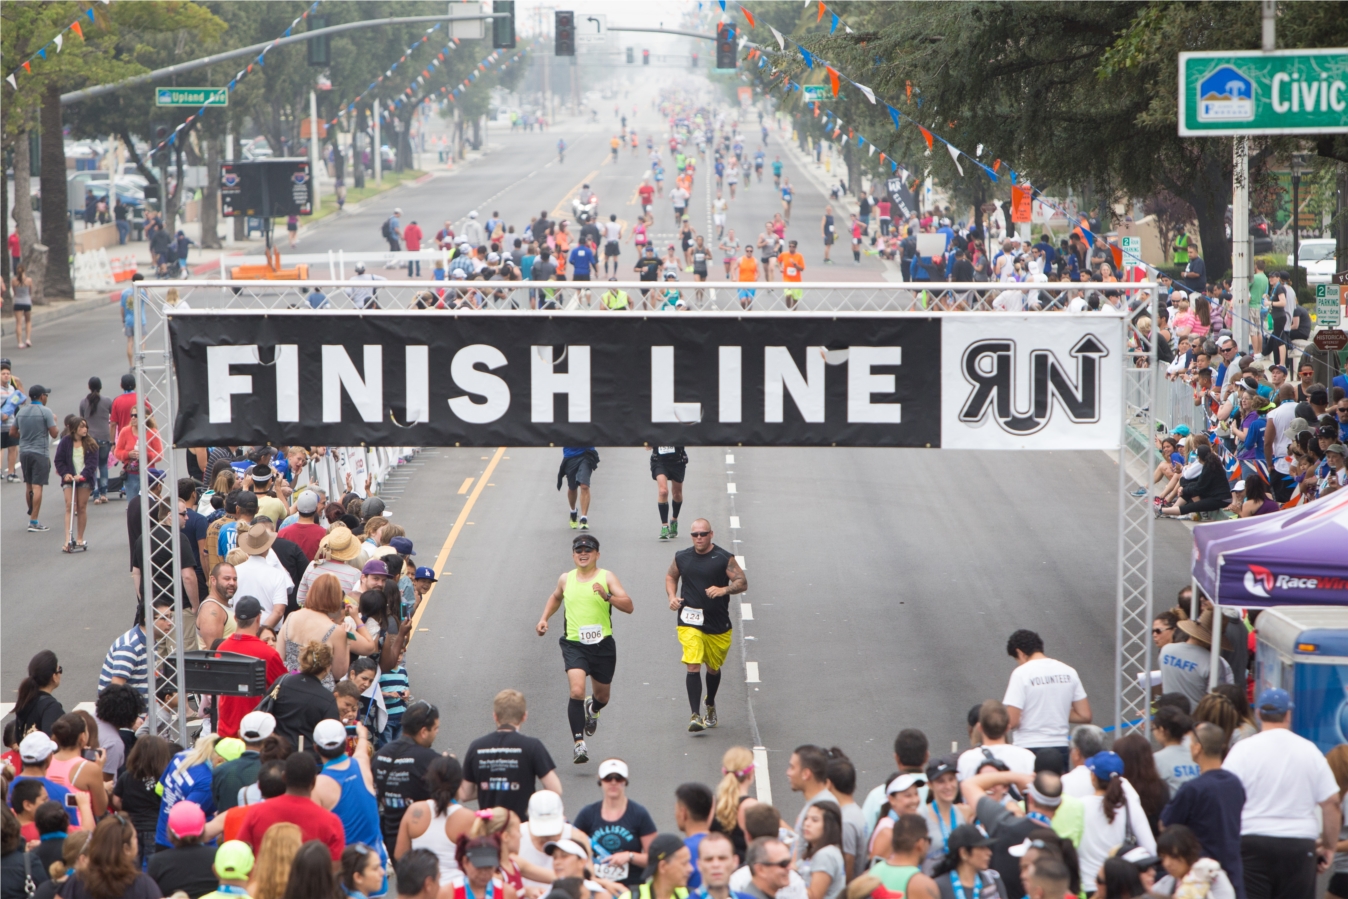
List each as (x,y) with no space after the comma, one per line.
(591,29)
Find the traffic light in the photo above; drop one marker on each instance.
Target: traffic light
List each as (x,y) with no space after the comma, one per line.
(645,57)
(695,59)
(631,56)
(159,132)
(727,56)
(564,31)
(503,30)
(320,51)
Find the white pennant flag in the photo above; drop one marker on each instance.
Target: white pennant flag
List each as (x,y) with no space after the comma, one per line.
(849,29)
(12,82)
(978,150)
(58,41)
(872,149)
(870,94)
(781,43)
(955,155)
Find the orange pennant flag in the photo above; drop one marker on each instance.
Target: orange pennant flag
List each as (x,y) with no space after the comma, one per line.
(833,79)
(926,135)
(882,157)
(816,110)
(75,27)
(908,86)
(28,68)
(996,165)
(820,17)
(749,16)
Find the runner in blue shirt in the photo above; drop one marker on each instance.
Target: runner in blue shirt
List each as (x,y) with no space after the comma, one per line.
(582,259)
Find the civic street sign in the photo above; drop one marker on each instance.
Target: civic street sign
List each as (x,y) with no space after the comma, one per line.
(1327,305)
(1250,92)
(1331,340)
(191,96)
(814,91)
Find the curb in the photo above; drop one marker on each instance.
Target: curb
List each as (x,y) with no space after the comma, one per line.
(63,309)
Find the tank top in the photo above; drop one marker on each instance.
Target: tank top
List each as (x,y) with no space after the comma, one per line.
(612,230)
(588,618)
(530,853)
(894,877)
(357,807)
(23,295)
(639,237)
(230,625)
(59,772)
(291,655)
(435,840)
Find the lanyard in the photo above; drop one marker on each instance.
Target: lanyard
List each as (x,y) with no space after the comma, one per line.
(959,887)
(232,890)
(945,833)
(491,889)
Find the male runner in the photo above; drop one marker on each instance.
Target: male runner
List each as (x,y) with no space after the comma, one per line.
(578,463)
(613,235)
(777,171)
(709,575)
(793,265)
(588,594)
(719,207)
(647,194)
(667,467)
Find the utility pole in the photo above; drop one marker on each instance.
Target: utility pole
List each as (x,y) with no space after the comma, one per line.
(1241,261)
(376,151)
(313,148)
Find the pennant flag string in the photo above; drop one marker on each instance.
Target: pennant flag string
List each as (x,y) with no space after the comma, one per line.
(58,41)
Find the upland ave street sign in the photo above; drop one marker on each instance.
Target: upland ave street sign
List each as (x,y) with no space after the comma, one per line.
(1245,92)
(191,96)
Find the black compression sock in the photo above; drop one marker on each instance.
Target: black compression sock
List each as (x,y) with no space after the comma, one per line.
(713,684)
(678,504)
(597,706)
(694,682)
(664,512)
(575,713)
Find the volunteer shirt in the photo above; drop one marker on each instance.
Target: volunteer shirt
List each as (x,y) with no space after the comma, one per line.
(1043,690)
(1017,758)
(1176,766)
(504,766)
(581,259)
(1186,667)
(623,835)
(1286,777)
(697,572)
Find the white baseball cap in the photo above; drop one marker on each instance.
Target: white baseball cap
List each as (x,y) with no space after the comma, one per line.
(36,747)
(545,814)
(904,782)
(257,726)
(473,214)
(329,733)
(570,847)
(613,766)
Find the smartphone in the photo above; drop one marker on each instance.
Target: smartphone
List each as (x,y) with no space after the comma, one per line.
(71,802)
(90,755)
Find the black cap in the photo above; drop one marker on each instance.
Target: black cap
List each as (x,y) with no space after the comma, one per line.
(966,836)
(128,382)
(938,766)
(589,540)
(662,847)
(247,608)
(246,500)
(36,391)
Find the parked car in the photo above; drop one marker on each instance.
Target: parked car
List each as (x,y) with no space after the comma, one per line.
(1261,233)
(1316,255)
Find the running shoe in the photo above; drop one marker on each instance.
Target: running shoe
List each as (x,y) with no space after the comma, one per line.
(695,724)
(573,521)
(581,755)
(709,719)
(674,528)
(37,527)
(1141,491)
(584,523)
(591,717)
(664,532)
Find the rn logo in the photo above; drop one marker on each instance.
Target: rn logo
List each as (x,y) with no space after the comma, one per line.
(1225,96)
(1258,581)
(989,365)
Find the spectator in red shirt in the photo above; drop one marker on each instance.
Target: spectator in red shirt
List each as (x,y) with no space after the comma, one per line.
(122,405)
(14,252)
(305,533)
(296,807)
(444,238)
(412,240)
(245,641)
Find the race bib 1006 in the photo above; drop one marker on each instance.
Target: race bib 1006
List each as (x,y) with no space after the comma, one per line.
(590,634)
(691,617)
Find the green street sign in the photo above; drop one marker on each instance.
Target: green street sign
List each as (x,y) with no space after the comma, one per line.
(1251,92)
(814,92)
(191,96)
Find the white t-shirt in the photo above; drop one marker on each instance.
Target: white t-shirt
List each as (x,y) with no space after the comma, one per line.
(1079,783)
(1286,777)
(1100,836)
(1017,758)
(1279,421)
(794,889)
(267,584)
(1043,690)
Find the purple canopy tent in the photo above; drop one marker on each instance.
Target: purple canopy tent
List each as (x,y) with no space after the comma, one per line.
(1296,557)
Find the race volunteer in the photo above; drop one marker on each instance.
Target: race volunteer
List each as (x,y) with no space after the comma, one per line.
(793,267)
(588,594)
(699,583)
(578,463)
(500,769)
(668,464)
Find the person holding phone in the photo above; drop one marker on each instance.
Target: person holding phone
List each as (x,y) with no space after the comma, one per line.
(74,765)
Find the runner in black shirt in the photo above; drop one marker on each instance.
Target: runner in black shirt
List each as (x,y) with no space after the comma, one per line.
(400,767)
(709,575)
(500,768)
(668,464)
(648,267)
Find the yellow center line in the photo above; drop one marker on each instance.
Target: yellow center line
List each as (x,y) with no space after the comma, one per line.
(467,482)
(459,522)
(560,211)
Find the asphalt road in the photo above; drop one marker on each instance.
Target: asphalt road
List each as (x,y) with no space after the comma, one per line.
(883,583)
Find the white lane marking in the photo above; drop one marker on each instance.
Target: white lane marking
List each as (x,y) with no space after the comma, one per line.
(729,459)
(761,779)
(89,707)
(734,521)
(751,673)
(5,709)
(746,611)
(730,487)
(740,560)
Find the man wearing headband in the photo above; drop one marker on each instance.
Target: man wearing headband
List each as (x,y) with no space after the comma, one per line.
(589,594)
(1043,796)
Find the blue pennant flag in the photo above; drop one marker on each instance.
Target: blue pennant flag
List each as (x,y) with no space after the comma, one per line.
(991,173)
(835,23)
(722,5)
(893,114)
(91,14)
(805,55)
(1013,174)
(259,58)
(1087,233)
(232,83)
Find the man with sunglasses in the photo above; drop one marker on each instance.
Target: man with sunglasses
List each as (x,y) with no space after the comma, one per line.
(589,594)
(699,583)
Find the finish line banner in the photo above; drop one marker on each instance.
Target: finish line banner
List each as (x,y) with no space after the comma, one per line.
(384,378)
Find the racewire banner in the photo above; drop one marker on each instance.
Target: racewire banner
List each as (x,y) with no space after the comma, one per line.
(384,378)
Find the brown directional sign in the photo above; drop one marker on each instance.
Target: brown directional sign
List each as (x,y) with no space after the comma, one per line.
(1331,339)
(1341,277)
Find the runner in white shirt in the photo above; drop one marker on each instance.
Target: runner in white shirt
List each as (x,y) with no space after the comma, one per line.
(613,235)
(732,176)
(1044,697)
(718,211)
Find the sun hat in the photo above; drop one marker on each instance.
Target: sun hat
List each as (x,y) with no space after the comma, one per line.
(257,540)
(341,544)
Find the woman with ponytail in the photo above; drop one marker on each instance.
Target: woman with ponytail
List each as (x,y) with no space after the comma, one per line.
(35,708)
(737,776)
(1114,817)
(77,466)
(96,409)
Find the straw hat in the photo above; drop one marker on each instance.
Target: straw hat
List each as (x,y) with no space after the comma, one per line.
(257,540)
(1201,630)
(340,544)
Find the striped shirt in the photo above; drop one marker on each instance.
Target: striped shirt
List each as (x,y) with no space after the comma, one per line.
(394,681)
(126,659)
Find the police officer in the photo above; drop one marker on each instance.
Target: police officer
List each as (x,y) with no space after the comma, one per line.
(588,594)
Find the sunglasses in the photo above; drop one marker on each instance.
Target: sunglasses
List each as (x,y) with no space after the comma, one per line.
(583,550)
(784,863)
(614,778)
(700,533)
(1161,630)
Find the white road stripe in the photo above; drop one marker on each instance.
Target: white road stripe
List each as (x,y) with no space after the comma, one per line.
(740,559)
(751,673)
(5,709)
(734,521)
(761,780)
(85,707)
(729,459)
(730,487)
(746,611)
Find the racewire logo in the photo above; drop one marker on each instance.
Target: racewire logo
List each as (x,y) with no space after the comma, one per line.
(990,366)
(300,177)
(229,179)
(1225,96)
(1258,581)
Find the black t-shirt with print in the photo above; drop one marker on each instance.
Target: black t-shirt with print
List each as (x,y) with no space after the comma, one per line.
(504,766)
(649,266)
